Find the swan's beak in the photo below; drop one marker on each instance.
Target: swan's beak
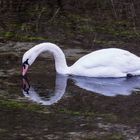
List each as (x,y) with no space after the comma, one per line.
(24,69)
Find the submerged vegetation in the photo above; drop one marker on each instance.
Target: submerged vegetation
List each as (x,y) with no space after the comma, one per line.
(15,105)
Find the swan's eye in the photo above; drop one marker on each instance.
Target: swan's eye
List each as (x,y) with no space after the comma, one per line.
(26,62)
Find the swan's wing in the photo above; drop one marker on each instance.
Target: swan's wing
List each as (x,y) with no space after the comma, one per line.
(115,58)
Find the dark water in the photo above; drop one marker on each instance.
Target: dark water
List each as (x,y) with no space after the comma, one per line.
(50,106)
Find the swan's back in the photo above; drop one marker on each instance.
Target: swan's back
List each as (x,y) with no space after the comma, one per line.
(105,56)
(105,59)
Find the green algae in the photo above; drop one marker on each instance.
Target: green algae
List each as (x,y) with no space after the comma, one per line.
(109,117)
(16,105)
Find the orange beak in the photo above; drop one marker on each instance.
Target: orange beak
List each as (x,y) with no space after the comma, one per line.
(24,69)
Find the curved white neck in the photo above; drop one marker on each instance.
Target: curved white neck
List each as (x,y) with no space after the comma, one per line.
(60,60)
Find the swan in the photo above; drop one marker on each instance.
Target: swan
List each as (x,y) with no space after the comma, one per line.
(110,62)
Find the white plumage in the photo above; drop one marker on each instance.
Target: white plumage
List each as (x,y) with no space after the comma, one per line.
(111,62)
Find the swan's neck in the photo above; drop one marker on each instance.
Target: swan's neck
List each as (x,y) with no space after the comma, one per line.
(59,57)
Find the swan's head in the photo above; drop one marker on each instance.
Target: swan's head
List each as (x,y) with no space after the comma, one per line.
(27,60)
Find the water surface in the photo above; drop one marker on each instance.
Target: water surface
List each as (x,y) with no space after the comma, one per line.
(52,106)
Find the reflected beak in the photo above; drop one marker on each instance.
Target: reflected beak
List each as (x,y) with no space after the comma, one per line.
(24,69)
(26,85)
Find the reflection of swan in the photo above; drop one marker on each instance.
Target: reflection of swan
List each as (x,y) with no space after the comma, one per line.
(108,86)
(60,85)
(103,86)
(111,62)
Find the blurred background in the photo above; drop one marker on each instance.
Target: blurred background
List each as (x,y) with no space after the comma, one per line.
(85,23)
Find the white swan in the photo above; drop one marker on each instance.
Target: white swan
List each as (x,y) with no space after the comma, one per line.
(111,62)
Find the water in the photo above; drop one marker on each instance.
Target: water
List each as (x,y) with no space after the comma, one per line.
(105,86)
(51,106)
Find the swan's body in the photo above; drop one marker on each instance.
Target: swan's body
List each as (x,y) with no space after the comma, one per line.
(111,62)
